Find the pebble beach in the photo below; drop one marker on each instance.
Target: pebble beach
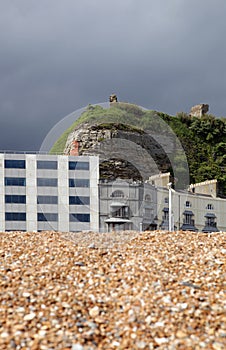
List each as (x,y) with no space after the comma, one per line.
(121,290)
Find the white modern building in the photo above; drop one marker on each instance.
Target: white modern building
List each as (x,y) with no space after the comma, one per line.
(46,192)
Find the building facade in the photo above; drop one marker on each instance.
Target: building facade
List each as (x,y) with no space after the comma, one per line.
(127,205)
(46,192)
(196,209)
(63,193)
(191,211)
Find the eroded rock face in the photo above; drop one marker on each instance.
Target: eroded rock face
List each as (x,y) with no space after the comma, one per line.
(126,153)
(199,110)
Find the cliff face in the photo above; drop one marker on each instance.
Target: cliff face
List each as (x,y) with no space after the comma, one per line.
(124,153)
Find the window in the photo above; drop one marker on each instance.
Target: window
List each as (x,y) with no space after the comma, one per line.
(188,219)
(14,163)
(47,217)
(147,212)
(78,200)
(15,181)
(166,200)
(15,216)
(46,164)
(78,165)
(46,182)
(117,194)
(78,183)
(165,216)
(210,221)
(122,212)
(188,214)
(79,217)
(47,200)
(148,197)
(209,206)
(188,204)
(15,199)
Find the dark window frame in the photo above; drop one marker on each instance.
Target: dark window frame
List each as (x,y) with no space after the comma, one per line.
(79,217)
(15,216)
(78,165)
(15,198)
(122,212)
(15,164)
(15,181)
(41,199)
(47,217)
(118,194)
(79,200)
(79,183)
(47,182)
(47,164)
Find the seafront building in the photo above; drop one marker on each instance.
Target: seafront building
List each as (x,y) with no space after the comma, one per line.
(64,193)
(127,205)
(145,206)
(48,192)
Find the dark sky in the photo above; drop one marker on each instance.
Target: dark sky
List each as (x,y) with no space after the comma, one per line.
(57,56)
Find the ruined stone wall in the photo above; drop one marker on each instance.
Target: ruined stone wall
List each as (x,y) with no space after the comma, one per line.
(199,110)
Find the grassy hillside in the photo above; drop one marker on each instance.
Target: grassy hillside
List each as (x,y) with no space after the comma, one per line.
(203,139)
(120,113)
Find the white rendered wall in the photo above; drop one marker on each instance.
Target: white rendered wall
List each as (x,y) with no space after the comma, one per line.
(31,193)
(63,194)
(94,195)
(2,194)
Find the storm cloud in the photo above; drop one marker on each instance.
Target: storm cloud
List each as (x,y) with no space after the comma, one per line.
(58,56)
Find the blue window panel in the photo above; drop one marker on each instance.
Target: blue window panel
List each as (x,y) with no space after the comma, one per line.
(76,200)
(47,217)
(78,165)
(47,164)
(15,164)
(11,198)
(79,217)
(46,182)
(47,200)
(15,181)
(15,216)
(78,182)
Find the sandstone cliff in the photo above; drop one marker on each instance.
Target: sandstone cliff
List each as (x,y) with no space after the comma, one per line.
(123,152)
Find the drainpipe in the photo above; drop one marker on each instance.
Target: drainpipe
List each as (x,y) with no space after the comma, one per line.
(170,205)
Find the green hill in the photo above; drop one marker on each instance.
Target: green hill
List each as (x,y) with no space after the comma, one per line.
(203,139)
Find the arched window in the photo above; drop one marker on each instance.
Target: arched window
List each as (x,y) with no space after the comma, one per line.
(117,194)
(147,197)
